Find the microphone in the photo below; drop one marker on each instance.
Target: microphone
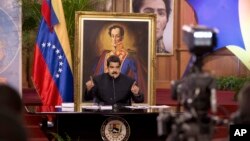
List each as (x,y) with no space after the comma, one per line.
(114,94)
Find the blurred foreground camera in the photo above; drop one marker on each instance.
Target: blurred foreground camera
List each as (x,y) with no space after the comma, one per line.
(196,92)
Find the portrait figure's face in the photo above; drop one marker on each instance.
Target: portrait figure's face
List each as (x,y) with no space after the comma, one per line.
(116,37)
(114,69)
(157,7)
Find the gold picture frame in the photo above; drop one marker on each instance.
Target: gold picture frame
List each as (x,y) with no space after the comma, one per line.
(165,42)
(92,38)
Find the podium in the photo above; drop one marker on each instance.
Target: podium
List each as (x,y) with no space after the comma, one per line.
(96,125)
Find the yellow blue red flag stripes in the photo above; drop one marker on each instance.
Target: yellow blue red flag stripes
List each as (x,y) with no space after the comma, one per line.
(52,67)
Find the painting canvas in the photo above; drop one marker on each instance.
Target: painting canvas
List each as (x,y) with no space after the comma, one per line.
(164,11)
(93,44)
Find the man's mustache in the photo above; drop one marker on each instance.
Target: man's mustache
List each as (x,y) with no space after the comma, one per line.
(114,72)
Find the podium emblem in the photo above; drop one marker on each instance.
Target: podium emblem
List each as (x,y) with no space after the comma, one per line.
(115,129)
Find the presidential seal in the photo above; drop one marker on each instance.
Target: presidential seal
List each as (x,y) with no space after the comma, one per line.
(115,129)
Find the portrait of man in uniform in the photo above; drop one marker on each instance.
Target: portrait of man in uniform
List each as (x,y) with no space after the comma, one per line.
(130,40)
(126,55)
(115,38)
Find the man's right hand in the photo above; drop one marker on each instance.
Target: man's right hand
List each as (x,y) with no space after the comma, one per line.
(90,84)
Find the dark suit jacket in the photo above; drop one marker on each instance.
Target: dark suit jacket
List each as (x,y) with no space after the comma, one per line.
(109,91)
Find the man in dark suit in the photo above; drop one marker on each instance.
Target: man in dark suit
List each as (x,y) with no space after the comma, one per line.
(113,87)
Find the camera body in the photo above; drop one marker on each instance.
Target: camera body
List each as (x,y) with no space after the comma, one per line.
(199,39)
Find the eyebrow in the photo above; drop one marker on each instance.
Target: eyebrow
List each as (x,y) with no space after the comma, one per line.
(153,9)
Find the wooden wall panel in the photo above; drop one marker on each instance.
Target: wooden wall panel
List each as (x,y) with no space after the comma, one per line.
(224,63)
(214,66)
(165,71)
(183,62)
(186,17)
(243,70)
(119,5)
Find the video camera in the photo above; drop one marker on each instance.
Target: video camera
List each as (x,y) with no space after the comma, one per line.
(196,92)
(199,39)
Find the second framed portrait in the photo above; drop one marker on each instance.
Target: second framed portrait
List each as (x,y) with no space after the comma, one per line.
(94,44)
(164,11)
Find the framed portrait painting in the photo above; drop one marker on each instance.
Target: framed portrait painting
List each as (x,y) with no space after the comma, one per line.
(94,44)
(164,11)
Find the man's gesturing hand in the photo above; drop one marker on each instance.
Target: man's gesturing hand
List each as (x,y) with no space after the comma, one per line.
(90,84)
(135,89)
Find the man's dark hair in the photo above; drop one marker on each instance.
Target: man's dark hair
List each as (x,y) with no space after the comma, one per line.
(137,4)
(113,58)
(11,127)
(244,97)
(116,26)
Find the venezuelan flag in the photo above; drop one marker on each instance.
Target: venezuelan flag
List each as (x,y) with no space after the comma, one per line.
(52,68)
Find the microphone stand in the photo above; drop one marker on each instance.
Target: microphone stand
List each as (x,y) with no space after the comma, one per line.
(114,107)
